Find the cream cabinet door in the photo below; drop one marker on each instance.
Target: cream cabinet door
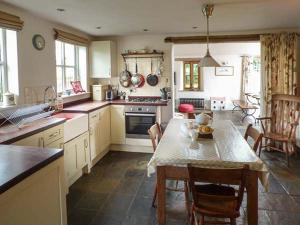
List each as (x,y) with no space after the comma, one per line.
(94,129)
(103,59)
(82,146)
(35,140)
(117,124)
(104,128)
(70,159)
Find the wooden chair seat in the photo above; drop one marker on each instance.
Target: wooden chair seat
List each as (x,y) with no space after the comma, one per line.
(277,137)
(211,206)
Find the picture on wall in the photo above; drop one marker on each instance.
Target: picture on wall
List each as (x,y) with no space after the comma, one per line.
(224,71)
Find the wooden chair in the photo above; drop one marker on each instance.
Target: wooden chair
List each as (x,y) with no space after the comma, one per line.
(155,134)
(256,136)
(279,129)
(215,199)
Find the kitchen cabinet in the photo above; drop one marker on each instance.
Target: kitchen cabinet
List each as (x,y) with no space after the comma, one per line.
(103,59)
(34,140)
(40,199)
(76,157)
(117,124)
(52,138)
(99,127)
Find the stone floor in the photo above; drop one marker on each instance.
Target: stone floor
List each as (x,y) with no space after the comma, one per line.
(118,191)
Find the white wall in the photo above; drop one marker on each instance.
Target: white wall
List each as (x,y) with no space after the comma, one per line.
(36,68)
(214,86)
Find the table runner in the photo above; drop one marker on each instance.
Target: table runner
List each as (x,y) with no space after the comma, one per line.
(228,149)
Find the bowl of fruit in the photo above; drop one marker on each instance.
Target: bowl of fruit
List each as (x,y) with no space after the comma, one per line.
(205,131)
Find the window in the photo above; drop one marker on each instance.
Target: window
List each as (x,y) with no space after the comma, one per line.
(71,65)
(254,76)
(8,62)
(191,76)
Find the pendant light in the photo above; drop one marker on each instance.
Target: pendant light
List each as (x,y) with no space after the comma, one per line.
(208,60)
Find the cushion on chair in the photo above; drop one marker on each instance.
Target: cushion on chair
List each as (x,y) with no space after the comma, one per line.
(186,108)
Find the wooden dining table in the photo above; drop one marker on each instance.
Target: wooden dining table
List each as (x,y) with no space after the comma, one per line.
(227,149)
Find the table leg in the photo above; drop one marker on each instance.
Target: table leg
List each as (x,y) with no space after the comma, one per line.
(252,198)
(161,195)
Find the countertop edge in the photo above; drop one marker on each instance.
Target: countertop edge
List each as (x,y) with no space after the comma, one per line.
(112,103)
(22,136)
(22,176)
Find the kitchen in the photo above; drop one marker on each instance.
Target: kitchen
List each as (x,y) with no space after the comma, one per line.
(87,113)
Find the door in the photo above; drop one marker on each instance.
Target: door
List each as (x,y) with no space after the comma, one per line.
(94,123)
(82,145)
(105,127)
(117,124)
(100,57)
(70,159)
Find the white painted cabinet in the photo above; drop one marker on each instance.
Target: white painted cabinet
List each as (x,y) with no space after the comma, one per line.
(99,126)
(103,59)
(76,157)
(117,124)
(34,140)
(51,138)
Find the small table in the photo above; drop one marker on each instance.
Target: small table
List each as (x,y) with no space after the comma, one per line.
(227,149)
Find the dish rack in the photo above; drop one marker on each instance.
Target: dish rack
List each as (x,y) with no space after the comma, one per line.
(23,115)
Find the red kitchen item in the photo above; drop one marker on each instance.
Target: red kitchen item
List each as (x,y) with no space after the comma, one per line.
(77,88)
(142,82)
(186,108)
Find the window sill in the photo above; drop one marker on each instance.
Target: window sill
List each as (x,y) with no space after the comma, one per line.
(76,97)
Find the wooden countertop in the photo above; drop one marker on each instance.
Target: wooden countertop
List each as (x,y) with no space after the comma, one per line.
(17,163)
(90,106)
(9,134)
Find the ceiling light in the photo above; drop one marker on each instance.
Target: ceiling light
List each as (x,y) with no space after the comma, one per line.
(146,30)
(60,9)
(208,60)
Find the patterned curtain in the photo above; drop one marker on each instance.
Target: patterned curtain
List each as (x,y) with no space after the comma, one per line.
(279,53)
(245,75)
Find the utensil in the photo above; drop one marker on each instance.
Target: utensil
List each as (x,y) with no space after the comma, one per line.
(125,77)
(152,79)
(137,79)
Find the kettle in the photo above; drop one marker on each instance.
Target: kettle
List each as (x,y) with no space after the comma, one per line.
(202,119)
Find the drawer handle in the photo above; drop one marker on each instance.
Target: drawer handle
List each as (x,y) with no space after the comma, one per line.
(54,134)
(41,142)
(94,116)
(91,131)
(85,143)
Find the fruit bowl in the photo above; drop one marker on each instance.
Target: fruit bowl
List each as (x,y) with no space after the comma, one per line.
(205,131)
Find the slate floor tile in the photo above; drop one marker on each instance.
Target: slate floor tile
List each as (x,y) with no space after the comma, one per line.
(117,204)
(81,217)
(91,201)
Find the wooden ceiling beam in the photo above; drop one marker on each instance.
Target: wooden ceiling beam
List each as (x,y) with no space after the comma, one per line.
(213,39)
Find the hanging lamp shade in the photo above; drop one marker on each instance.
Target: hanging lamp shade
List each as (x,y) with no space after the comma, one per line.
(208,60)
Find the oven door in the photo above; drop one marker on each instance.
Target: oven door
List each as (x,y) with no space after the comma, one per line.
(137,124)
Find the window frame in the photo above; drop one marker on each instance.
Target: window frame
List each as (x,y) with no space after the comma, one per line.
(3,62)
(63,65)
(191,63)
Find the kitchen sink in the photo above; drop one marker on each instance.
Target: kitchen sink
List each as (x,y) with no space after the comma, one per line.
(76,124)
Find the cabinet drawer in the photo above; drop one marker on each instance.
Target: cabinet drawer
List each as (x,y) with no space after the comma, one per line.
(53,134)
(94,117)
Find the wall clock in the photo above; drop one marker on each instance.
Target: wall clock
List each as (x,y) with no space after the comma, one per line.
(38,42)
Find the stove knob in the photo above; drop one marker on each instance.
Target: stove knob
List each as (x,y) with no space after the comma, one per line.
(131,109)
(147,109)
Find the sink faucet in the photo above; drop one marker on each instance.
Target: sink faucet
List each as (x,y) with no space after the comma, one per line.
(52,88)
